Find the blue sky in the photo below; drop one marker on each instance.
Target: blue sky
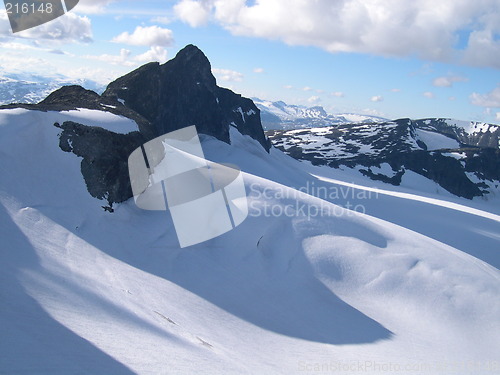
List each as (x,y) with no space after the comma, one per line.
(393,58)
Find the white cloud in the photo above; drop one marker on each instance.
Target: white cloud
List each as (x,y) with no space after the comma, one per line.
(228,75)
(373,112)
(100,75)
(195,13)
(155,53)
(428,94)
(491,99)
(497,117)
(146,36)
(16,46)
(307,88)
(338,94)
(288,87)
(396,90)
(447,81)
(125,58)
(161,19)
(122,59)
(377,98)
(258,70)
(381,27)
(16,62)
(483,49)
(69,28)
(314,99)
(452,98)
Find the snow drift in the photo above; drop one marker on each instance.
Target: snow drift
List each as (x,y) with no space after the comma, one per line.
(86,291)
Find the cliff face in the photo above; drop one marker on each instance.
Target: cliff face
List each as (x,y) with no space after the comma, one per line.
(160,99)
(183,92)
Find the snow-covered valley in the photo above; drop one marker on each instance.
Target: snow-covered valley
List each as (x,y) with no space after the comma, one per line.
(331,271)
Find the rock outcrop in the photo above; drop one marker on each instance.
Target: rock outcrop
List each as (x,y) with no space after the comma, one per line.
(184,92)
(160,99)
(104,158)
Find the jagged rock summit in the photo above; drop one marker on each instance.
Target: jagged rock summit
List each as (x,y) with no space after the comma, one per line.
(184,92)
(160,99)
(164,97)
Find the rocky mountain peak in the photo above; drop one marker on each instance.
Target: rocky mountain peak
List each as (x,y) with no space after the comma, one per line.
(69,95)
(193,64)
(184,92)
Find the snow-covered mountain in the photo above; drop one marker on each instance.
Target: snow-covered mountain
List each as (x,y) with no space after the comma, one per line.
(330,272)
(445,151)
(29,88)
(281,116)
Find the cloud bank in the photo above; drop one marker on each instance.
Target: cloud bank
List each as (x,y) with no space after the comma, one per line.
(461,31)
(491,99)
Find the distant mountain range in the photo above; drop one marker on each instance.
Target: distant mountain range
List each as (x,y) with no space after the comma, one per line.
(282,116)
(463,157)
(29,88)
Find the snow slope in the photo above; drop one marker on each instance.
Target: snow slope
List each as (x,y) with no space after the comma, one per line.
(85,291)
(436,141)
(90,117)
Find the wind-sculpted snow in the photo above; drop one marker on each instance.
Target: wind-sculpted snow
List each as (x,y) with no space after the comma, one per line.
(303,285)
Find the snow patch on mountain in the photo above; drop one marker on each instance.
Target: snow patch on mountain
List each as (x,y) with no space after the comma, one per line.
(436,141)
(472,127)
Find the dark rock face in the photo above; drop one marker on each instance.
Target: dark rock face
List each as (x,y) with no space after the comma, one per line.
(183,92)
(69,96)
(105,158)
(244,115)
